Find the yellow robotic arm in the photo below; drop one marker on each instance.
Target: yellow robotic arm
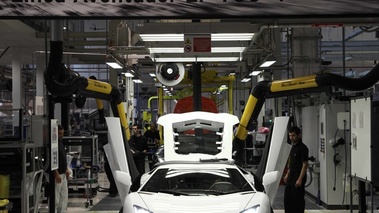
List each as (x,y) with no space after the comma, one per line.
(59,84)
(302,85)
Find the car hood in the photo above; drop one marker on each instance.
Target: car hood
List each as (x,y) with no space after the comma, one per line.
(167,203)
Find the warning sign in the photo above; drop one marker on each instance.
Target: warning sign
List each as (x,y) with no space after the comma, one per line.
(197,45)
(188,41)
(202,44)
(188,48)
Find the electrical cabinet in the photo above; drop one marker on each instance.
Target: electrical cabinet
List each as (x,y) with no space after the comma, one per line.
(334,160)
(364,138)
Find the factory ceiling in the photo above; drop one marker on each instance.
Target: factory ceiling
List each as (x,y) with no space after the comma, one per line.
(89,43)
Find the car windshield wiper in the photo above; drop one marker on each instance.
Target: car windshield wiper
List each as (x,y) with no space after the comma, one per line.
(213,160)
(173,192)
(218,192)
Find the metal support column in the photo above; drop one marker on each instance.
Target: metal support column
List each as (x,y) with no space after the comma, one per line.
(56,35)
(50,113)
(362,208)
(196,84)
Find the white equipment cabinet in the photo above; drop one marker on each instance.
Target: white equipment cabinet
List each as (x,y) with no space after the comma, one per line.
(334,192)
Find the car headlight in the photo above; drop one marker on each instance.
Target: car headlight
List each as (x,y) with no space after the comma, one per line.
(254,209)
(139,209)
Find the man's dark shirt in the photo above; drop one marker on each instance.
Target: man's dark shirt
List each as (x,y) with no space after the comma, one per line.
(62,159)
(299,153)
(151,136)
(138,144)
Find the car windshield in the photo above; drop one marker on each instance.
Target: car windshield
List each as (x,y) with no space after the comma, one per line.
(200,181)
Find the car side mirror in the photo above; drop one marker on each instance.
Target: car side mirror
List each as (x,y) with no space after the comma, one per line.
(270,177)
(123,177)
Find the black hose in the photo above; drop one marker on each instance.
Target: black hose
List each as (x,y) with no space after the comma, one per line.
(353,84)
(55,70)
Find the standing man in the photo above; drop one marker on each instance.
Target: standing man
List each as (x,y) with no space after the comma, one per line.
(296,176)
(61,176)
(153,139)
(138,145)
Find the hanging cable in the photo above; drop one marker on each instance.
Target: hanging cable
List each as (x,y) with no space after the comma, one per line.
(335,162)
(344,182)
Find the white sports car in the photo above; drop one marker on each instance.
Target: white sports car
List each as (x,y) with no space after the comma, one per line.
(198,174)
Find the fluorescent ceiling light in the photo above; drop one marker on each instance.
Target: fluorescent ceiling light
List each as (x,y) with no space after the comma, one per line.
(246,79)
(267,63)
(114,65)
(166,50)
(152,75)
(232,36)
(128,75)
(194,59)
(227,49)
(255,73)
(154,50)
(214,37)
(162,37)
(137,81)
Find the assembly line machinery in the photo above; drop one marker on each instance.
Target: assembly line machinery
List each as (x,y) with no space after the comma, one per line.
(84,154)
(20,176)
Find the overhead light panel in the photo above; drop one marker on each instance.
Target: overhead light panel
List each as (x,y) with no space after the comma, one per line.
(268,62)
(227,49)
(246,79)
(194,59)
(162,37)
(137,80)
(255,72)
(155,50)
(214,37)
(114,65)
(129,75)
(152,75)
(232,36)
